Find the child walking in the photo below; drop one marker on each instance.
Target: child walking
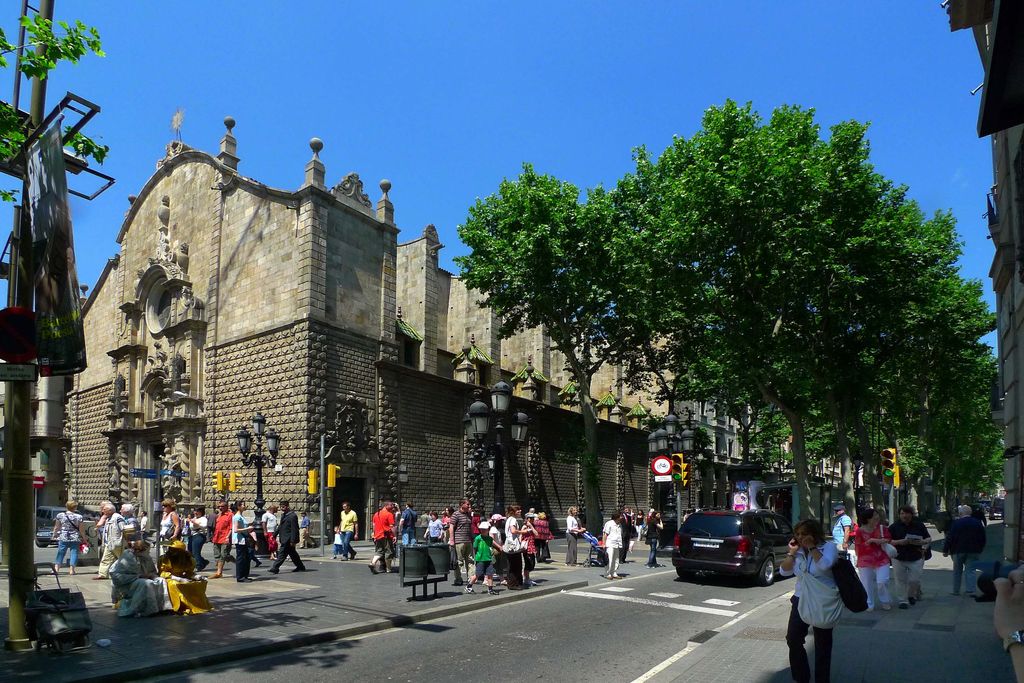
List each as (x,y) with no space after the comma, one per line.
(484,558)
(337,543)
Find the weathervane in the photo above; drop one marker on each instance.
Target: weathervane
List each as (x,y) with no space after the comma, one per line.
(176,121)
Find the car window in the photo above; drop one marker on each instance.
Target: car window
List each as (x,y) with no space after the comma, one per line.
(755,525)
(717,526)
(784,526)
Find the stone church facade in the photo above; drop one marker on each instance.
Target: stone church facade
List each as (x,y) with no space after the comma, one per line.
(228,297)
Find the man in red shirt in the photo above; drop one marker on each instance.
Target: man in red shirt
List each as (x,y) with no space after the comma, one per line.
(384,537)
(221,537)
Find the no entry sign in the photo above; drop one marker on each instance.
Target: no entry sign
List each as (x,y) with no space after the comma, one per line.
(17,335)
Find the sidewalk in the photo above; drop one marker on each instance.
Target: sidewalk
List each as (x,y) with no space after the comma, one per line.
(942,638)
(330,601)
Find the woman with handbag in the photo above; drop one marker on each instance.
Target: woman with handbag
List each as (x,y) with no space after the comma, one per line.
(872,540)
(513,548)
(529,534)
(67,529)
(815,602)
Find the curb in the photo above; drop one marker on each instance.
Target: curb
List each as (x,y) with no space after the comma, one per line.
(317,637)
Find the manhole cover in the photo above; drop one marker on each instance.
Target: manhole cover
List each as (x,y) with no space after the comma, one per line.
(763,633)
(703,636)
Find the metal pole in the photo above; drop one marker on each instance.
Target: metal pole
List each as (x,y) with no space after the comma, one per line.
(323,468)
(19,518)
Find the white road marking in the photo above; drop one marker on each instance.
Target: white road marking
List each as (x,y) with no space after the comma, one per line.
(690,646)
(656,603)
(721,603)
(616,589)
(666,595)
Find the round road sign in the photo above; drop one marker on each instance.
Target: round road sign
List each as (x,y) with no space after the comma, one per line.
(661,465)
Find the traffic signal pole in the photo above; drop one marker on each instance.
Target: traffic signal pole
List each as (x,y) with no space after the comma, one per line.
(18,519)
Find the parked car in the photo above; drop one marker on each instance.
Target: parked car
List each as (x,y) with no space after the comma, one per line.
(45,517)
(749,543)
(996,511)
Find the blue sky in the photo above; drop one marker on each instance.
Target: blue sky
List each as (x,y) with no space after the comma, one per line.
(447,98)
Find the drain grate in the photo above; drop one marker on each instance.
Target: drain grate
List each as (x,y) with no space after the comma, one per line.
(703,636)
(763,633)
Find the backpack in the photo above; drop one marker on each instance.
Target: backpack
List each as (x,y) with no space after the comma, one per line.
(851,590)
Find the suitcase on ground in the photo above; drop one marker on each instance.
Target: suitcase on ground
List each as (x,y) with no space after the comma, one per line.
(57,617)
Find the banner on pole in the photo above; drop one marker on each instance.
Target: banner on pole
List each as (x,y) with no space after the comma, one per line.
(59,333)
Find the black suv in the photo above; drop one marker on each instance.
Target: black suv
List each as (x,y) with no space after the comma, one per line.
(749,543)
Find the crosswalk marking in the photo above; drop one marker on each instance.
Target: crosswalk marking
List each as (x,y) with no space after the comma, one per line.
(616,589)
(656,603)
(721,603)
(670,596)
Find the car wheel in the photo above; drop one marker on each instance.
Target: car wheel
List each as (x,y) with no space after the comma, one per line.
(42,544)
(766,573)
(683,574)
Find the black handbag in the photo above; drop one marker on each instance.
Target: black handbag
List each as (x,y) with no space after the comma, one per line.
(851,590)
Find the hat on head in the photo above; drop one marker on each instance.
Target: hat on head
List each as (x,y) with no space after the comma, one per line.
(838,506)
(497,517)
(484,526)
(531,515)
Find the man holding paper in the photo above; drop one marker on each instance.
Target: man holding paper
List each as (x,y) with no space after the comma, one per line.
(910,538)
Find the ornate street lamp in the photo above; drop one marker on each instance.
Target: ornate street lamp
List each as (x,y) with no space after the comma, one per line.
(476,425)
(264,439)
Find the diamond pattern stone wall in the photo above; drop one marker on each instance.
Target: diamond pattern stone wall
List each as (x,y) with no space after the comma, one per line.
(90,452)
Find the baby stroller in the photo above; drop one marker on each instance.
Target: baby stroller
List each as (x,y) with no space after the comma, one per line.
(597,556)
(57,618)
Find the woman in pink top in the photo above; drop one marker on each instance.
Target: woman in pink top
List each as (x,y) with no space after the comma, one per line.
(872,560)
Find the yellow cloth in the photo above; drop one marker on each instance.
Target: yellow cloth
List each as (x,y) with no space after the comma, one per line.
(177,567)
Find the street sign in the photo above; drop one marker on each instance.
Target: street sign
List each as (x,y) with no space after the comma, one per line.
(172,473)
(19,372)
(38,481)
(17,335)
(663,477)
(142,473)
(661,465)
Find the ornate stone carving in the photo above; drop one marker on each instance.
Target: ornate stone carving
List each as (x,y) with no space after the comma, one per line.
(173,149)
(533,467)
(620,479)
(118,396)
(351,186)
(352,428)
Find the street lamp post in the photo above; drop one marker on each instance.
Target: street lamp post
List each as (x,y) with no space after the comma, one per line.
(477,425)
(259,460)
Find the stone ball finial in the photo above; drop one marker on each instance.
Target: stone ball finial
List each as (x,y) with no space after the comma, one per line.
(132,198)
(316,144)
(229,122)
(385,186)
(466,349)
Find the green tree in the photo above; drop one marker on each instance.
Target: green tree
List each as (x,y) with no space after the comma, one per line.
(542,257)
(45,47)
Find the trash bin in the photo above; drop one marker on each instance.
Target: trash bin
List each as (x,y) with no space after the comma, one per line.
(440,558)
(92,556)
(414,562)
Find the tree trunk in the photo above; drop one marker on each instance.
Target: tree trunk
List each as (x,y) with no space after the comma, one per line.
(843,442)
(870,458)
(796,426)
(591,471)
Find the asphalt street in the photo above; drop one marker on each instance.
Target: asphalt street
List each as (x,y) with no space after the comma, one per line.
(614,630)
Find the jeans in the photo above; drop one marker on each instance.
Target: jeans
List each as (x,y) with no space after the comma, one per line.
(242,560)
(960,561)
(195,546)
(346,543)
(796,634)
(652,558)
(409,535)
(63,547)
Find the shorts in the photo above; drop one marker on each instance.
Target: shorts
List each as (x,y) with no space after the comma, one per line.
(385,547)
(221,551)
(271,542)
(484,569)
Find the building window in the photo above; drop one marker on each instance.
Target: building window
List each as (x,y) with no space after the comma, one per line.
(410,352)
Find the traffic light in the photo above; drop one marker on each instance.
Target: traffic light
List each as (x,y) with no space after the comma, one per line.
(680,469)
(234,481)
(889,469)
(332,476)
(218,481)
(311,482)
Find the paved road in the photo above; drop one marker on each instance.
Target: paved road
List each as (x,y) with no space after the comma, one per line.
(614,631)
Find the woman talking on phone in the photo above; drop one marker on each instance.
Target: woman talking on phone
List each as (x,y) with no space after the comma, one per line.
(815,600)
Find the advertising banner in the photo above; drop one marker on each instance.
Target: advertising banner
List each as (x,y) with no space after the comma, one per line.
(59,333)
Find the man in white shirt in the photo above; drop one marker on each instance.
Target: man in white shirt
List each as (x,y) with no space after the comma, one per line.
(269,522)
(612,537)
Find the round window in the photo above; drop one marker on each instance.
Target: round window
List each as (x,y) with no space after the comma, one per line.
(158,308)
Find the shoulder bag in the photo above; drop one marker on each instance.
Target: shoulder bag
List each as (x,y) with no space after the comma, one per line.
(851,590)
(820,605)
